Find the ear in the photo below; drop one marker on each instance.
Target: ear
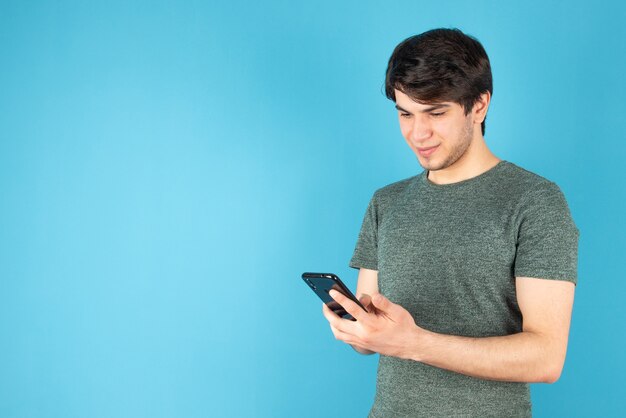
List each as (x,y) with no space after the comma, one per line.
(479,111)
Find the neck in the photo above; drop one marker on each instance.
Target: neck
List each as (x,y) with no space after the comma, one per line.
(476,160)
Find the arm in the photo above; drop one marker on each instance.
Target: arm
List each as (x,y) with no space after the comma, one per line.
(536,354)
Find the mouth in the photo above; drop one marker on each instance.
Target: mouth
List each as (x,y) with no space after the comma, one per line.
(425,152)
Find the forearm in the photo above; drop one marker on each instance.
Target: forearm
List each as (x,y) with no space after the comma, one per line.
(523,357)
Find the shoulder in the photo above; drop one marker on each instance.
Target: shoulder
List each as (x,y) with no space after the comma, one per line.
(385,197)
(392,191)
(518,176)
(525,184)
(537,198)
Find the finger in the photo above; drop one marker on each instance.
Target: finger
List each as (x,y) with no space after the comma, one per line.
(329,313)
(385,305)
(366,300)
(342,336)
(344,325)
(332,317)
(352,308)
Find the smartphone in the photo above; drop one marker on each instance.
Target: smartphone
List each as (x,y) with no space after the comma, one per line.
(321,283)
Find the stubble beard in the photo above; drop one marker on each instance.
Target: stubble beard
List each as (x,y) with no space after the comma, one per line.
(458,151)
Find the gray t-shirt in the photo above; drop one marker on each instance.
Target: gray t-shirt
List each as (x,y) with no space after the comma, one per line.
(449,254)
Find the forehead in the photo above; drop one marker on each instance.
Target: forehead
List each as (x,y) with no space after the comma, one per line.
(408,103)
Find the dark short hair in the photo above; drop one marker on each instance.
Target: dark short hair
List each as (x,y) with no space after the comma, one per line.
(440,65)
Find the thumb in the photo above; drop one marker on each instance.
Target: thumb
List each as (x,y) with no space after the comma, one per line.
(381,302)
(366,300)
(384,305)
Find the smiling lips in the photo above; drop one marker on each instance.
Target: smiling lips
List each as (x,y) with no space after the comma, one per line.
(427,151)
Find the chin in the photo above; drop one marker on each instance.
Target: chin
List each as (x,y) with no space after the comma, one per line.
(428,165)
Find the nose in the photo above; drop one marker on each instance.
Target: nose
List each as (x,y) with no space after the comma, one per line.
(420,130)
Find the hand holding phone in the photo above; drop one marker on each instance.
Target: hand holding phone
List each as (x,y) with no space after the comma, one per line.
(321,283)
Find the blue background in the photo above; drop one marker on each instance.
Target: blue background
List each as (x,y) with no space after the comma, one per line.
(169,169)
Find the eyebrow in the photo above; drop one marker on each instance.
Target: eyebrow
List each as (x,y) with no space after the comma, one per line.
(428,109)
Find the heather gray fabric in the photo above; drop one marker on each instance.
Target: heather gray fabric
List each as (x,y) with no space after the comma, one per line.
(449,254)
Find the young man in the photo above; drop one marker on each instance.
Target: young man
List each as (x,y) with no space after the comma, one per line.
(468,269)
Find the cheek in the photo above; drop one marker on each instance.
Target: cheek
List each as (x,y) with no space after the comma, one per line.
(442,129)
(405,129)
(448,133)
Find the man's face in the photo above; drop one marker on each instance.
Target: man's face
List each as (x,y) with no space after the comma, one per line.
(441,125)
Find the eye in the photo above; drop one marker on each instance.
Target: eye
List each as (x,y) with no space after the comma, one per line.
(405,115)
(438,114)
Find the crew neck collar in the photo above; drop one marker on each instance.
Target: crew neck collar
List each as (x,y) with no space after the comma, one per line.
(482,176)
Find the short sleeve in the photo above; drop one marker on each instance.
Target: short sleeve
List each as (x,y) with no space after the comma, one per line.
(366,251)
(547,242)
